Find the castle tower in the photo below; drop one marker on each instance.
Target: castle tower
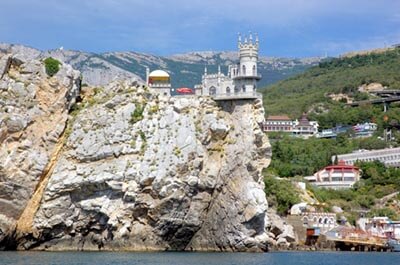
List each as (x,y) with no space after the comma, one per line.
(159,81)
(246,76)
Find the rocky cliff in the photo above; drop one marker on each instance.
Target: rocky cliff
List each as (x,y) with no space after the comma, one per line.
(33,114)
(127,169)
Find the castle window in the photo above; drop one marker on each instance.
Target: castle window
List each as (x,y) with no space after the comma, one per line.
(213,90)
(244,88)
(244,70)
(254,70)
(228,90)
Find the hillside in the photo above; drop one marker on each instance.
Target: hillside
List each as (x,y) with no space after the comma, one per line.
(185,69)
(312,92)
(303,92)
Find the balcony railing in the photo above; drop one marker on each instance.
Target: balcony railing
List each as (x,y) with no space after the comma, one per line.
(238,95)
(250,76)
(160,85)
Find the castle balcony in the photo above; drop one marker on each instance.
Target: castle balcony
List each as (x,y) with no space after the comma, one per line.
(160,85)
(237,96)
(257,77)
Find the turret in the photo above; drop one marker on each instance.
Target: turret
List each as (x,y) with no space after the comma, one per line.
(247,76)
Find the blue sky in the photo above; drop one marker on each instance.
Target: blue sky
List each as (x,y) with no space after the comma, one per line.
(287,28)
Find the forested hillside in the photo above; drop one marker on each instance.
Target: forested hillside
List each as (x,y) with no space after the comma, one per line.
(311,92)
(308,92)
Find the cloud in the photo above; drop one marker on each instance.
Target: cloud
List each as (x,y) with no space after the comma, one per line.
(337,47)
(170,26)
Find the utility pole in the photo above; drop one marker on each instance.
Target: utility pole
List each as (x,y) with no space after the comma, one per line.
(385,118)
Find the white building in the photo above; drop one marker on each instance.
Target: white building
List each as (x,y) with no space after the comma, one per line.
(304,127)
(380,226)
(159,81)
(241,79)
(278,123)
(340,176)
(388,156)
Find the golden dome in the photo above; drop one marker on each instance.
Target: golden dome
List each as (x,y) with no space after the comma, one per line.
(158,73)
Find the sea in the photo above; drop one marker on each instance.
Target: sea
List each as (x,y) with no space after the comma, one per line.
(184,258)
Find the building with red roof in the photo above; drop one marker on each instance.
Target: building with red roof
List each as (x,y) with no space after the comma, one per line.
(338,176)
(278,123)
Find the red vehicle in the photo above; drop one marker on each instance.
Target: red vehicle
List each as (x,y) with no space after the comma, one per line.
(185,90)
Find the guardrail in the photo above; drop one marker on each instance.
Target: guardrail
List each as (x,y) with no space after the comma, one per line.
(239,95)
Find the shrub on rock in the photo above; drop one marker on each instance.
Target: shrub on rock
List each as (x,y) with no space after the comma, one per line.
(52,66)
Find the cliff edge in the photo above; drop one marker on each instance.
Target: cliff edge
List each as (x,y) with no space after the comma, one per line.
(131,170)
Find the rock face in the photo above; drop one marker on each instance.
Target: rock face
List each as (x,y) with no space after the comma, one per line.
(143,172)
(127,169)
(33,114)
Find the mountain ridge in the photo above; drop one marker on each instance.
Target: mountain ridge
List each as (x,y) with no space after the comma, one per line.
(186,69)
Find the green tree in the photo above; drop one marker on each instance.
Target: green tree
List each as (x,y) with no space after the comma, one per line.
(52,66)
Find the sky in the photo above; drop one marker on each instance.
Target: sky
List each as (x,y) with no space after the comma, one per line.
(286,28)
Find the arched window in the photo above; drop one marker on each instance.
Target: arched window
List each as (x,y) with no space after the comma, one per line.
(254,87)
(243,88)
(254,70)
(213,90)
(237,89)
(228,90)
(305,220)
(243,70)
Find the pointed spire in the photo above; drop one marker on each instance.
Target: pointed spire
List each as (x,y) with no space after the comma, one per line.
(205,70)
(245,40)
(250,37)
(239,39)
(256,38)
(219,69)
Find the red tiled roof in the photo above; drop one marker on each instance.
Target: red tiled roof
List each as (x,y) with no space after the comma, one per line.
(278,118)
(341,165)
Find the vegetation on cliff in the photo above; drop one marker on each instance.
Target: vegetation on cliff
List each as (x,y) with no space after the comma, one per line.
(294,158)
(300,157)
(52,66)
(281,193)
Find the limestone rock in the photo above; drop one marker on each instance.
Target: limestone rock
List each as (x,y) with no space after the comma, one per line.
(298,208)
(33,114)
(277,225)
(337,209)
(5,62)
(185,174)
(288,234)
(154,183)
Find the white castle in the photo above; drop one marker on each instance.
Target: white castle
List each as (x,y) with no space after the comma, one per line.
(241,79)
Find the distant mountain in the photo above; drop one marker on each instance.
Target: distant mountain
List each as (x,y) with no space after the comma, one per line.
(185,69)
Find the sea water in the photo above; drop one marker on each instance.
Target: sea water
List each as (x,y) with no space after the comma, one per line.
(177,258)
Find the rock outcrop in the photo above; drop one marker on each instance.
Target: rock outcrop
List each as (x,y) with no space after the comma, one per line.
(143,172)
(33,114)
(126,169)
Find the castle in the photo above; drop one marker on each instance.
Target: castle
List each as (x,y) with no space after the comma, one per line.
(239,83)
(241,79)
